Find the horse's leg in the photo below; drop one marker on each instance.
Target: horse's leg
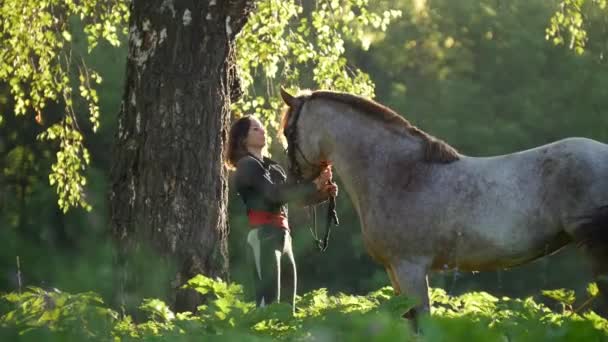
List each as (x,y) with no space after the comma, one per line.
(392,277)
(592,237)
(598,252)
(600,270)
(411,278)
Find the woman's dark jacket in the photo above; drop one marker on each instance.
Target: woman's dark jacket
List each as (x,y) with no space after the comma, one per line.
(263,186)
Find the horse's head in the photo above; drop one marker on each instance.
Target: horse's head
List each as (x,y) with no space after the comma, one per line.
(303,138)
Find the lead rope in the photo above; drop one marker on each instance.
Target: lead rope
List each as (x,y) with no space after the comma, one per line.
(332,218)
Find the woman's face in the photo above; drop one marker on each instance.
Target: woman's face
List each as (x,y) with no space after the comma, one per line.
(256,137)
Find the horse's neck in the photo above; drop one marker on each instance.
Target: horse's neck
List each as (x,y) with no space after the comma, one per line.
(361,151)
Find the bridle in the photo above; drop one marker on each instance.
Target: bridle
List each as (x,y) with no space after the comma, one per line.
(291,133)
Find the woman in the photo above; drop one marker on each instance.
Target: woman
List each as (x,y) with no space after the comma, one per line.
(262,185)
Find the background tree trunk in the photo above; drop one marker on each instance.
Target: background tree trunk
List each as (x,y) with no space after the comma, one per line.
(169,184)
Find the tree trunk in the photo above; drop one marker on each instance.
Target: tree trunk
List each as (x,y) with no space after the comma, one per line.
(169,184)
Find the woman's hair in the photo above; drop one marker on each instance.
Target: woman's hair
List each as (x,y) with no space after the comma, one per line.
(236,141)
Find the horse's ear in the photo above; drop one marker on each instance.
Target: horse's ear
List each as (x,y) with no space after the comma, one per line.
(289,99)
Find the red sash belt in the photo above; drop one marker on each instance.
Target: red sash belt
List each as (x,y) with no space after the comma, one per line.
(257,218)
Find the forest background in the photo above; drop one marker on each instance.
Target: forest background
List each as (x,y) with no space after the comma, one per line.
(485,76)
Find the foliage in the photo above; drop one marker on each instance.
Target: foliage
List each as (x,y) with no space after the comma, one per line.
(39,64)
(40,310)
(475,316)
(288,45)
(567,25)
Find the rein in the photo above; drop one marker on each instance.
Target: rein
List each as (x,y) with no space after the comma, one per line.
(332,217)
(295,169)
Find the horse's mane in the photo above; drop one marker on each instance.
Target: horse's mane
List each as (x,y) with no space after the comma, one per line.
(436,150)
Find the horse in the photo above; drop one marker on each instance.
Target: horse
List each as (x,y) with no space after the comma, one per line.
(423,206)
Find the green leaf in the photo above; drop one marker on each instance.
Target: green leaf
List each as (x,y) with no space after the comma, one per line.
(593,290)
(561,295)
(67,36)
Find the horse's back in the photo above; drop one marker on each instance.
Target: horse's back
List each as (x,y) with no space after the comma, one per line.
(504,210)
(559,179)
(583,182)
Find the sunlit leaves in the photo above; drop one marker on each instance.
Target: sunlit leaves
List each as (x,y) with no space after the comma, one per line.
(38,63)
(566,297)
(281,44)
(67,171)
(159,311)
(284,45)
(474,316)
(226,307)
(567,25)
(83,314)
(593,290)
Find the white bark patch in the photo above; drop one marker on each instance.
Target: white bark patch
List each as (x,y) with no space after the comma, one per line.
(141,51)
(174,237)
(179,207)
(146,25)
(187,18)
(228,28)
(135,36)
(133,100)
(163,35)
(133,194)
(212,3)
(178,96)
(138,122)
(168,4)
(208,17)
(121,130)
(163,112)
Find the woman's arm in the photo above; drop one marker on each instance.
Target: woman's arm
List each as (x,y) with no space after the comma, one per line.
(251,174)
(317,197)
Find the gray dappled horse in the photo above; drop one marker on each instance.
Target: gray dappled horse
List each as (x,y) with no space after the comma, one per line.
(423,206)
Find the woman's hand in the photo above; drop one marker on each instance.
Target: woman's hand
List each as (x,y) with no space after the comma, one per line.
(324,178)
(330,189)
(324,183)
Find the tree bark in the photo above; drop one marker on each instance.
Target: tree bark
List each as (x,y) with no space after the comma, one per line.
(169,184)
